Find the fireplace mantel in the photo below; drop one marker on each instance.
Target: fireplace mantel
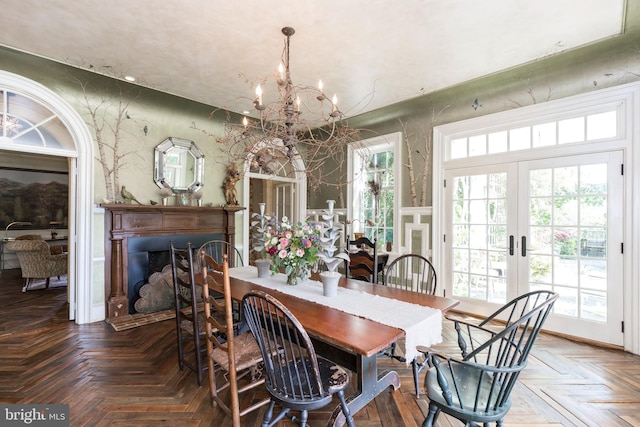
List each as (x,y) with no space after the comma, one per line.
(124,221)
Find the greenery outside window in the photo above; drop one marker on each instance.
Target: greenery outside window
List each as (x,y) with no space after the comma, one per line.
(373,173)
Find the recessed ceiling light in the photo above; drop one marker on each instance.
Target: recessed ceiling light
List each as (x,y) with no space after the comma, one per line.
(246,112)
(130,78)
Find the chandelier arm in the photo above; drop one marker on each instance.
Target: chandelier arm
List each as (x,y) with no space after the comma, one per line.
(281,135)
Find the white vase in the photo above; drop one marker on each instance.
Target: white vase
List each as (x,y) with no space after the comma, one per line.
(330,280)
(264,266)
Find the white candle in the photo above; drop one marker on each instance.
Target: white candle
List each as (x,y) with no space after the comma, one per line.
(245,122)
(334,103)
(320,85)
(298,103)
(281,71)
(259,93)
(262,207)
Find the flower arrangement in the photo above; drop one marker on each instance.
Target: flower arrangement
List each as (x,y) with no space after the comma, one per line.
(293,248)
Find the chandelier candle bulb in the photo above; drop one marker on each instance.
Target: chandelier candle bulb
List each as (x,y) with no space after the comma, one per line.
(259,99)
(321,96)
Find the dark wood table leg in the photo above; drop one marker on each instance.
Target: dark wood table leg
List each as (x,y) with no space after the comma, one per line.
(370,384)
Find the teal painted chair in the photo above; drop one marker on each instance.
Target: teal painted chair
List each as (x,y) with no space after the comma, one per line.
(476,387)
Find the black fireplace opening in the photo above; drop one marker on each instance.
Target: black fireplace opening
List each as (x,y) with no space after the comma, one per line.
(150,254)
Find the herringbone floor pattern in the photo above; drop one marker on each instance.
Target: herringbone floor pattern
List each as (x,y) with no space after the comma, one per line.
(131,378)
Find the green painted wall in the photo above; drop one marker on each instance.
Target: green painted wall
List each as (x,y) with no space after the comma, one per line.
(608,63)
(604,64)
(162,114)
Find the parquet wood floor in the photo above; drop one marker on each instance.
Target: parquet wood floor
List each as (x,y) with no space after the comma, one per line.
(131,377)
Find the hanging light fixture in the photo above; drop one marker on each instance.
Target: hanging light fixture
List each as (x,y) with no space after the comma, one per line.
(288,106)
(303,123)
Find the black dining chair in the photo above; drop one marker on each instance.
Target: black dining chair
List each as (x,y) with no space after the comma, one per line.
(415,273)
(217,248)
(295,376)
(190,328)
(363,262)
(476,387)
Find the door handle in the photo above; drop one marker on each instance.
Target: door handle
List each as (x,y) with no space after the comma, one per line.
(524,246)
(511,248)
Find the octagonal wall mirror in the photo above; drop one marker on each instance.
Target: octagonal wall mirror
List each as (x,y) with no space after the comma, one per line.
(179,165)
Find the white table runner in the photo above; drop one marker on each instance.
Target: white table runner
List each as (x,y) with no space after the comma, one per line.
(422,325)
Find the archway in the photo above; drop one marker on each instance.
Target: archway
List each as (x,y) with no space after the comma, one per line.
(81,155)
(283,171)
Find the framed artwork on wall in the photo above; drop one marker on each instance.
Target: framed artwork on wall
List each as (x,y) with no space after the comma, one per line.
(34,196)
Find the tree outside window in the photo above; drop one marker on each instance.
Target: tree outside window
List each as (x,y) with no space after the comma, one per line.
(374,193)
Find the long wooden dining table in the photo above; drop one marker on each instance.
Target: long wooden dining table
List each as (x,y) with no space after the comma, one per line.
(349,340)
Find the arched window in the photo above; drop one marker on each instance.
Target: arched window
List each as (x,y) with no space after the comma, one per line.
(29,125)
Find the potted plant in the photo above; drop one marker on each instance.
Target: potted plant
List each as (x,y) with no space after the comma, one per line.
(329,235)
(259,226)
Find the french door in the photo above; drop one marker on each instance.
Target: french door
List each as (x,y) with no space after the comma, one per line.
(551,224)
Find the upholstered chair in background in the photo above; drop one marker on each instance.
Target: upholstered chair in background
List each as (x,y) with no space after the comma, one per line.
(36,261)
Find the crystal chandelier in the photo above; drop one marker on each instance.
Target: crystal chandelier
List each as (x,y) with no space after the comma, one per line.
(302,123)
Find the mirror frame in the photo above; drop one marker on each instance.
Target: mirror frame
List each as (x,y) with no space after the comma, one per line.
(159,164)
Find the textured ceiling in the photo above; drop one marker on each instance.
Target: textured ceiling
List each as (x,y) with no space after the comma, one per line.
(371,53)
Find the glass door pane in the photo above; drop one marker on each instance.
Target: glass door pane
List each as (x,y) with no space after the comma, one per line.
(480,237)
(571,244)
(546,224)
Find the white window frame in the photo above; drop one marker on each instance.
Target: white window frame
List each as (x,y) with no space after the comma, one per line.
(627,99)
(389,142)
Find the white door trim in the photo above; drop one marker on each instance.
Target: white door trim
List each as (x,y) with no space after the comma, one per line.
(627,99)
(81,192)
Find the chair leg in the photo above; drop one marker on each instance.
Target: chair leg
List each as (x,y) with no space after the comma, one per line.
(47,282)
(416,369)
(199,362)
(268,414)
(345,409)
(304,418)
(434,411)
(180,351)
(25,284)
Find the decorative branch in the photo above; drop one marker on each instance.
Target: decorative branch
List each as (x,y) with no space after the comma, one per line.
(409,164)
(107,117)
(425,135)
(530,91)
(322,151)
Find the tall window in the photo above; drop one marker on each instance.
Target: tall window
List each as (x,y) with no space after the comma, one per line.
(374,191)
